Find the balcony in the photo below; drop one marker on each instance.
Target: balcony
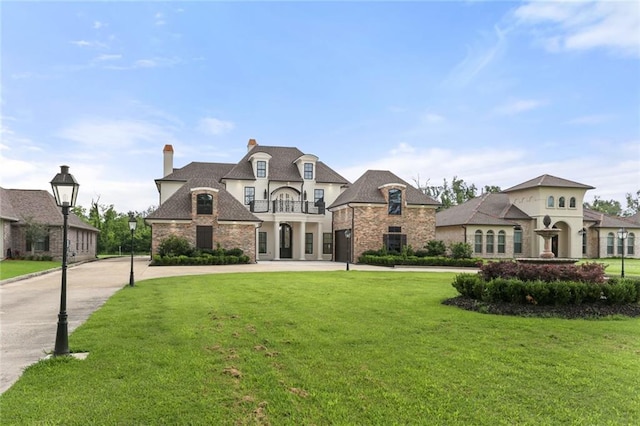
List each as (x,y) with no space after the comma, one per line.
(286,206)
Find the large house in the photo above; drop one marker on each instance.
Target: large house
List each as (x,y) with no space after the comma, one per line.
(280,203)
(502,225)
(21,209)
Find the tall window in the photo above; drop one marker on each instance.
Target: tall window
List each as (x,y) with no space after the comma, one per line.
(395,201)
(572,202)
(308,170)
(394,242)
(477,246)
(502,238)
(41,243)
(204,237)
(261,167)
(490,241)
(620,246)
(249,194)
(318,196)
(517,240)
(308,243)
(584,241)
(561,202)
(205,204)
(327,243)
(550,201)
(262,242)
(610,240)
(631,240)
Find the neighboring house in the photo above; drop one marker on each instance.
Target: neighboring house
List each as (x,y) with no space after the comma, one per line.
(381,210)
(271,204)
(21,207)
(502,225)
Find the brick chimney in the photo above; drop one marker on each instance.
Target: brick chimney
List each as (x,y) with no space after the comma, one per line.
(252,143)
(168,159)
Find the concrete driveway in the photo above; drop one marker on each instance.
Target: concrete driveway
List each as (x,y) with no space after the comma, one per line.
(29,307)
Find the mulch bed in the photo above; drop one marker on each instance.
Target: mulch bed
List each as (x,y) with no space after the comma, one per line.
(584,311)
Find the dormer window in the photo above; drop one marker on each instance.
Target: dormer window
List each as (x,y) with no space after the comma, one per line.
(205,204)
(261,169)
(395,202)
(308,171)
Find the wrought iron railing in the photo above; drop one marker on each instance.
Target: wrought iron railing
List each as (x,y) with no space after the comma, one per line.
(286,206)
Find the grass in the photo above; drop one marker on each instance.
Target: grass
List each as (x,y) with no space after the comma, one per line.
(328,348)
(15,268)
(631,266)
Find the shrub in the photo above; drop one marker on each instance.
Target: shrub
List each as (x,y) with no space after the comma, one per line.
(436,248)
(588,272)
(175,246)
(461,250)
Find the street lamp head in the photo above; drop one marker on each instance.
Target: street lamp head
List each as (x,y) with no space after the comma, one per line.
(65,188)
(132,222)
(622,233)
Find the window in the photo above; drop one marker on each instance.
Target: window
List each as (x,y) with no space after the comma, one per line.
(308,170)
(261,167)
(394,242)
(584,241)
(561,202)
(308,243)
(502,238)
(517,240)
(40,244)
(395,201)
(262,242)
(489,241)
(318,196)
(477,247)
(327,243)
(631,238)
(249,194)
(610,239)
(395,229)
(550,202)
(204,237)
(572,202)
(620,246)
(205,204)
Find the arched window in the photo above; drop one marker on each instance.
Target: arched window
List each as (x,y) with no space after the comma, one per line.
(584,241)
(395,201)
(550,201)
(477,246)
(561,202)
(610,240)
(619,246)
(631,240)
(205,203)
(489,241)
(517,240)
(502,238)
(572,202)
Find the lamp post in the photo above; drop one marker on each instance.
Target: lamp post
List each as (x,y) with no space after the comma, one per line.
(347,234)
(132,227)
(65,191)
(622,235)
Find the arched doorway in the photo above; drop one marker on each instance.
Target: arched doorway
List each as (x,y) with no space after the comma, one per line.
(286,237)
(560,244)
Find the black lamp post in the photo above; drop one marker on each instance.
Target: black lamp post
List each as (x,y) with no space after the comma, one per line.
(622,235)
(347,234)
(132,227)
(65,191)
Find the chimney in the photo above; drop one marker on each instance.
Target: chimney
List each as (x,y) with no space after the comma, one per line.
(168,159)
(252,143)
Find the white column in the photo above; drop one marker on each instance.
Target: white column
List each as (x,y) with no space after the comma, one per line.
(257,243)
(303,230)
(276,241)
(319,245)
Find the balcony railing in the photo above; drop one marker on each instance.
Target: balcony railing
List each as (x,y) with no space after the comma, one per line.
(286,206)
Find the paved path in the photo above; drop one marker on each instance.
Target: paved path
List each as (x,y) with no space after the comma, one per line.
(29,307)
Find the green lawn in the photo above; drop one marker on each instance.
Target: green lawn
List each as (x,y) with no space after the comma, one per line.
(370,348)
(631,266)
(15,268)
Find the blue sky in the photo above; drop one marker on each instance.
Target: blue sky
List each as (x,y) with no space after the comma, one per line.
(495,93)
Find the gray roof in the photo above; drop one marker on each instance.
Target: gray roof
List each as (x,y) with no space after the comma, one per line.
(603,220)
(367,190)
(40,206)
(194,169)
(547,181)
(178,206)
(488,209)
(7,212)
(282,166)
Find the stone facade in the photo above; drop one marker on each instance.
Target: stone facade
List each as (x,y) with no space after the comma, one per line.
(82,244)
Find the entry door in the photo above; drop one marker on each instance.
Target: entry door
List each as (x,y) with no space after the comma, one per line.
(286,236)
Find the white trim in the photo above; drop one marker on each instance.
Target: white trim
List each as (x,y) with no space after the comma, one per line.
(204,188)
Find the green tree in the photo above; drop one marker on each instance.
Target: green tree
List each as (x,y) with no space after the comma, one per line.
(610,207)
(35,232)
(633,203)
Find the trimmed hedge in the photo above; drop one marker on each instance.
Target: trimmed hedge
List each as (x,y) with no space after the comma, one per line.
(538,292)
(204,259)
(392,260)
(587,272)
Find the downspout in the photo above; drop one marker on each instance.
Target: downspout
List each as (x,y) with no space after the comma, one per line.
(353,234)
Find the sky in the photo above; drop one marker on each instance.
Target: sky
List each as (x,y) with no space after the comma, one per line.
(492,92)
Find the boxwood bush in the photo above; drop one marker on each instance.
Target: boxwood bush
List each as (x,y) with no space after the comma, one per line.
(397,259)
(176,250)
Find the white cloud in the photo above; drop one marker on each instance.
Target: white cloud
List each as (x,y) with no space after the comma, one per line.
(89,44)
(159,19)
(97,25)
(561,26)
(518,106)
(214,126)
(158,62)
(106,57)
(432,118)
(590,119)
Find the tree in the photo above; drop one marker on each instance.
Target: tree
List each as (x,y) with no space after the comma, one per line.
(633,203)
(610,207)
(449,194)
(35,232)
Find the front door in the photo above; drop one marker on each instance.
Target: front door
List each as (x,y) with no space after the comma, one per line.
(286,237)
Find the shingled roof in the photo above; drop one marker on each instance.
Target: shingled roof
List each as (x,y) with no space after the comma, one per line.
(367,190)
(7,212)
(282,166)
(547,181)
(39,206)
(603,220)
(195,169)
(488,209)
